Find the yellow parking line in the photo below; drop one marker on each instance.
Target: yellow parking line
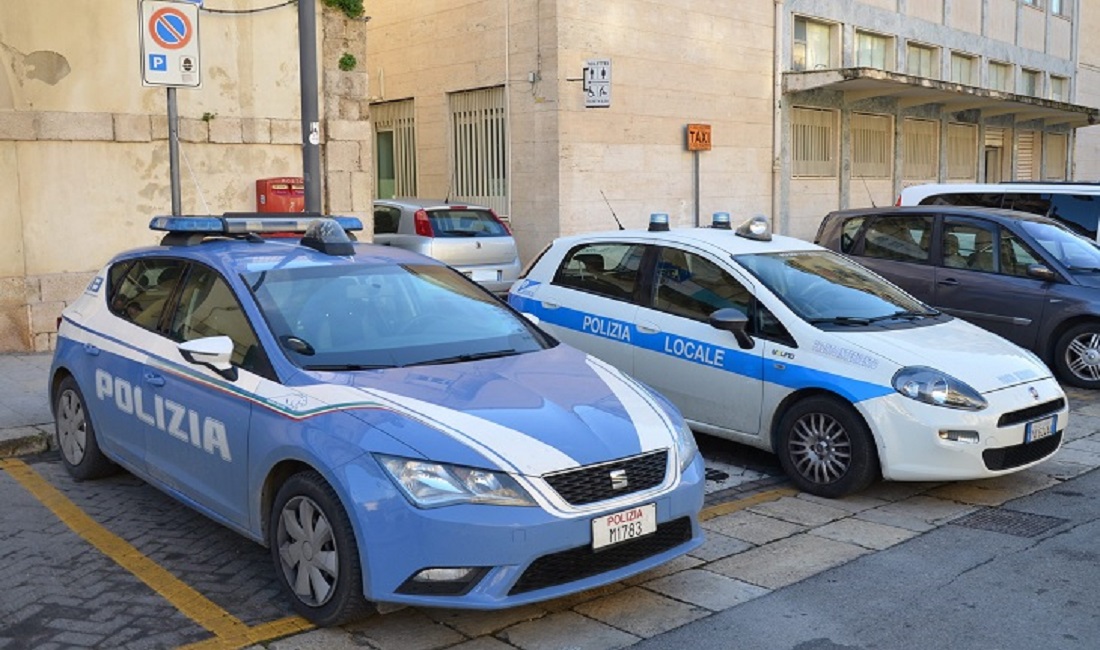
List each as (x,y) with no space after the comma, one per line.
(733,506)
(230,632)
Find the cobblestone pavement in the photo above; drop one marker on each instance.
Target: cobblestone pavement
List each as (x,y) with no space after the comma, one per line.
(114,563)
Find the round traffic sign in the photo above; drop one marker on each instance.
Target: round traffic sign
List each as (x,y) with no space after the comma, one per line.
(170,28)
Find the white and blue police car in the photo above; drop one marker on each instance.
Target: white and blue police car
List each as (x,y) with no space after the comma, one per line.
(786,346)
(392,431)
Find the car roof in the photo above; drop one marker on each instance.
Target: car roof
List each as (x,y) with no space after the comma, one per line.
(705,237)
(1000,215)
(427,204)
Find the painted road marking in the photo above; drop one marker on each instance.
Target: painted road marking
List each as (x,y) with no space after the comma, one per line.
(229,631)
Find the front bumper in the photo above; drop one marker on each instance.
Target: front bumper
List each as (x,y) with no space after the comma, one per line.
(911,448)
(522,554)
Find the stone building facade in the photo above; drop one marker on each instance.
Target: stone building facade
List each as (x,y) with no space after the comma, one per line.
(84,146)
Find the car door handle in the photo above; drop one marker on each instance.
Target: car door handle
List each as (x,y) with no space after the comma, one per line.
(646,328)
(550,305)
(154,378)
(91,349)
(950,282)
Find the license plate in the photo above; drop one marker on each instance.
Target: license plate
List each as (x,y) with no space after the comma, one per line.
(483,275)
(1040,429)
(624,525)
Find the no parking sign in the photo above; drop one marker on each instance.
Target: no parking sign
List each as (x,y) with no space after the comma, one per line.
(170,44)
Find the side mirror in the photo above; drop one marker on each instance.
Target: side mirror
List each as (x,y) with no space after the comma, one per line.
(213,352)
(1041,272)
(533,318)
(732,321)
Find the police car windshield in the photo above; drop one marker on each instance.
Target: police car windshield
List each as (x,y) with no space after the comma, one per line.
(824,288)
(366,317)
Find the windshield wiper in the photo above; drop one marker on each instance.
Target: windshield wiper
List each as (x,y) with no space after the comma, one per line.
(908,315)
(840,320)
(470,356)
(337,367)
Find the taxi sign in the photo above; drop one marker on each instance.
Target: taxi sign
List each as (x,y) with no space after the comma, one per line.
(170,44)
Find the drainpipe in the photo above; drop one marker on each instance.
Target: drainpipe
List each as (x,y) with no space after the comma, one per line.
(779,221)
(508,108)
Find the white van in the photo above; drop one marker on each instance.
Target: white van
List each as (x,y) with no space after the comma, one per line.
(1077,205)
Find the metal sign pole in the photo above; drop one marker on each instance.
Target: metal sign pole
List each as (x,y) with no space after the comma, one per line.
(174,150)
(697,193)
(311,132)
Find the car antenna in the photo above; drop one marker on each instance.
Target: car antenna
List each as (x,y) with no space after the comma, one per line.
(615,216)
(868,188)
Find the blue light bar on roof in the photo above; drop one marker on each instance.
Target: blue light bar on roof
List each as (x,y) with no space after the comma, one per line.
(240,225)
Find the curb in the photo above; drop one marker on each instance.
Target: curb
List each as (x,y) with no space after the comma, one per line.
(23,441)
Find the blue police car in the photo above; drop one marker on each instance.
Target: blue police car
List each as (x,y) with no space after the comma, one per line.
(393,432)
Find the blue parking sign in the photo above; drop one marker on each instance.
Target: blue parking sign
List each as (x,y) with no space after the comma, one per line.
(158,63)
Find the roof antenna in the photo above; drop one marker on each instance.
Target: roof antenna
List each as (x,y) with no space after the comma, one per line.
(868,188)
(615,216)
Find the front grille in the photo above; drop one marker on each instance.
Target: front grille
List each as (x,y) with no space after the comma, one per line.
(592,483)
(1031,413)
(1016,455)
(582,562)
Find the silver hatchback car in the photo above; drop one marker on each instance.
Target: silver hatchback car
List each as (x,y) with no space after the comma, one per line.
(469,238)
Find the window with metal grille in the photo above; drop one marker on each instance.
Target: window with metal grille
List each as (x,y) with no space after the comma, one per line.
(872,153)
(962,152)
(1027,156)
(922,149)
(874,51)
(813,142)
(1055,152)
(479,148)
(1000,76)
(920,61)
(394,149)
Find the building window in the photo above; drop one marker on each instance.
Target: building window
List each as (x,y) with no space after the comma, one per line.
(920,61)
(1060,8)
(963,68)
(1030,3)
(479,148)
(1000,76)
(872,136)
(813,45)
(1032,83)
(922,149)
(1027,156)
(1055,152)
(394,149)
(962,152)
(1059,89)
(874,51)
(813,142)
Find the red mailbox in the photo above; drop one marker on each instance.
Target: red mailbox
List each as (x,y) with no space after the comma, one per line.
(283,194)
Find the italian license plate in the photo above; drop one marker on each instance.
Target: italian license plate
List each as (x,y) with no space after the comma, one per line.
(1040,429)
(624,525)
(484,275)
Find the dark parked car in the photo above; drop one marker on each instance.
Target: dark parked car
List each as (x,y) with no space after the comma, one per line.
(1023,276)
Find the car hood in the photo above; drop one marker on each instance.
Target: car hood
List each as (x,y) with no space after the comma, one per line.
(531,413)
(967,352)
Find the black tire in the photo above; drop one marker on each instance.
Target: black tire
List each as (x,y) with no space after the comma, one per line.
(76,436)
(826,448)
(314,550)
(1077,355)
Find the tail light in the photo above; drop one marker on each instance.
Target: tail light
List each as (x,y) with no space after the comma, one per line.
(422,224)
(898,202)
(504,225)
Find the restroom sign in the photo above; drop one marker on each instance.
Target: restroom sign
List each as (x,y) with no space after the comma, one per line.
(170,44)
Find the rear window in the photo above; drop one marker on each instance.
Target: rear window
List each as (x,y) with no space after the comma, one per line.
(466,223)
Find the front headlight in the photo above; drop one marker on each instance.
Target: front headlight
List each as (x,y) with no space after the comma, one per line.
(937,388)
(685,444)
(430,485)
